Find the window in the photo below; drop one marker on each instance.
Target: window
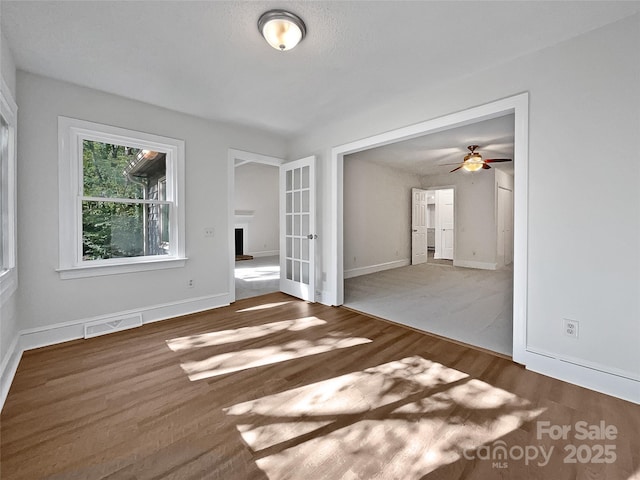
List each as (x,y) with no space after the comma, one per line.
(121,207)
(8,122)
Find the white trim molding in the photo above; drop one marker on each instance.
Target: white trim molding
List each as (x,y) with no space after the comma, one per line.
(474,264)
(8,269)
(380,267)
(600,378)
(71,134)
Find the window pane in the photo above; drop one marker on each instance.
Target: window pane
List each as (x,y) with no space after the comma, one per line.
(4,161)
(305,177)
(119,171)
(296,202)
(296,179)
(296,248)
(305,273)
(289,207)
(296,271)
(117,230)
(296,228)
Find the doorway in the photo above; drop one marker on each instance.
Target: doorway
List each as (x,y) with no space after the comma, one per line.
(253,220)
(517,105)
(432,226)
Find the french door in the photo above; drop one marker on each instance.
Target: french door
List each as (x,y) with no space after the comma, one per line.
(298,228)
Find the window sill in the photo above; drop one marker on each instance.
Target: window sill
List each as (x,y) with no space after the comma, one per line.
(119,268)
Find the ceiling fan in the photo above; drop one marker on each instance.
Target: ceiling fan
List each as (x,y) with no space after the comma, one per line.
(473,161)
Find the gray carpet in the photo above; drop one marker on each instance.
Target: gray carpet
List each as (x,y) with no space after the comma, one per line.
(257,277)
(469,305)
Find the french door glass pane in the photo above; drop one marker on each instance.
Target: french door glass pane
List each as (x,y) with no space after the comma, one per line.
(296,179)
(297,215)
(296,271)
(289,181)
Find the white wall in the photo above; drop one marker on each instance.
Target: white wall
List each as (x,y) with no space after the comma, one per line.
(45,299)
(7,65)
(474,211)
(256,189)
(377,216)
(583,132)
(8,303)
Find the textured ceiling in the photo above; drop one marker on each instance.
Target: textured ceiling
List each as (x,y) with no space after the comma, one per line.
(207,58)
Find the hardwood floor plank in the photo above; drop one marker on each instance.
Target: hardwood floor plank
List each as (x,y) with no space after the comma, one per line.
(396,403)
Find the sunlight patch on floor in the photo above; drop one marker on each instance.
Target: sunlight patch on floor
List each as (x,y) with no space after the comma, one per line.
(243,333)
(263,306)
(257,274)
(257,357)
(401,419)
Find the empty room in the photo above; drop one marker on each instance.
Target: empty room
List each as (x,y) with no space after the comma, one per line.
(319,240)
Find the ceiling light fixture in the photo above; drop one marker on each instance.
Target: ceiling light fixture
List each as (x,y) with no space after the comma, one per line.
(281,29)
(472,162)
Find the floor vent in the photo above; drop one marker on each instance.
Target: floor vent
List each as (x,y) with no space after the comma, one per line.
(110,325)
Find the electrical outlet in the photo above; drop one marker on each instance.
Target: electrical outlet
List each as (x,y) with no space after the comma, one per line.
(571,327)
(190,283)
(208,232)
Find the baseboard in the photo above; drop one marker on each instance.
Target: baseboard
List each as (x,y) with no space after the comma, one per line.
(356,272)
(63,332)
(473,264)
(266,253)
(8,368)
(618,384)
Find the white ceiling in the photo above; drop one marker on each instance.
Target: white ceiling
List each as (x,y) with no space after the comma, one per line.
(207,58)
(433,154)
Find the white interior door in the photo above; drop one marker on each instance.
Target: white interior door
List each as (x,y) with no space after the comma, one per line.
(418,226)
(298,228)
(444,224)
(505,226)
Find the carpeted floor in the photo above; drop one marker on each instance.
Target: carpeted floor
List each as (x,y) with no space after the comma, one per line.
(469,305)
(257,277)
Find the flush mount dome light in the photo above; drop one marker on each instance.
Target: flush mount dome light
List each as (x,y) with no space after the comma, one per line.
(281,29)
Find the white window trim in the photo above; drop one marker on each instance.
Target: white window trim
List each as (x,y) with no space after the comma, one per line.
(71,132)
(8,270)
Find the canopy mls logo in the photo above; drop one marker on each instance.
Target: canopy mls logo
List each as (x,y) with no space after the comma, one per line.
(499,453)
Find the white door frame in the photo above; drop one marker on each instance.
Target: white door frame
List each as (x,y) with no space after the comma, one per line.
(519,106)
(415,229)
(242,157)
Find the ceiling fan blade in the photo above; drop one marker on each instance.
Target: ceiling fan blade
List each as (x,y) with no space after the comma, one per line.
(485,166)
(496,160)
(458,168)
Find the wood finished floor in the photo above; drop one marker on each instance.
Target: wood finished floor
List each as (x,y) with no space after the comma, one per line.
(275,388)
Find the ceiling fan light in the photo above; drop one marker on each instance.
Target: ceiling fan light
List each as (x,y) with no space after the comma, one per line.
(281,29)
(472,166)
(472,162)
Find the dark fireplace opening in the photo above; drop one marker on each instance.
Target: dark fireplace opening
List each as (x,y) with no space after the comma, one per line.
(239,241)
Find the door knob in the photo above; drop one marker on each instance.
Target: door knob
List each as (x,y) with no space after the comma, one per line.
(312,236)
